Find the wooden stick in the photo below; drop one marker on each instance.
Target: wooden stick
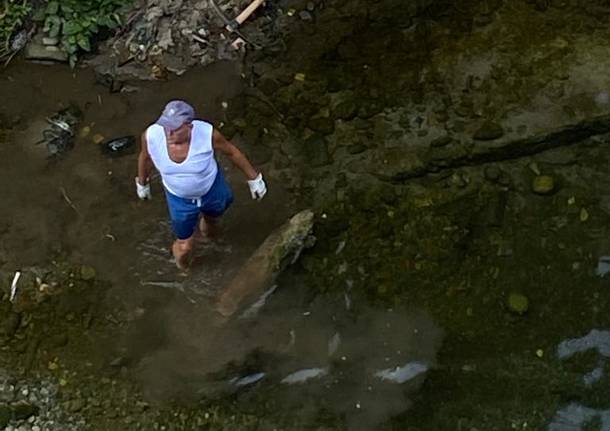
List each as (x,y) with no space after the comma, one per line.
(248,11)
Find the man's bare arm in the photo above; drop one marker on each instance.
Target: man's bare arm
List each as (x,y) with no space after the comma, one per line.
(144,162)
(224,146)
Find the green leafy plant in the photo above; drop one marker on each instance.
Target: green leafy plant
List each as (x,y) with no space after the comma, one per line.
(13,14)
(75,22)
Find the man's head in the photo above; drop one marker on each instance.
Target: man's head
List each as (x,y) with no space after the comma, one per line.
(176,114)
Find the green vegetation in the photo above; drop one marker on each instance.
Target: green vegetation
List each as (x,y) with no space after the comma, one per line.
(76,22)
(12,17)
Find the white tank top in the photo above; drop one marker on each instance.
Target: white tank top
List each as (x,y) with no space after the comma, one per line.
(192,178)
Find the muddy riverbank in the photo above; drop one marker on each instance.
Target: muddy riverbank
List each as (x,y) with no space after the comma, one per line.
(458,166)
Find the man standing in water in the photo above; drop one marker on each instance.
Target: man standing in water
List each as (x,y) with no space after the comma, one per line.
(182,149)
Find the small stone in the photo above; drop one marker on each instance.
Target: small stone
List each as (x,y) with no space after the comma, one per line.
(346,109)
(356,148)
(299,77)
(540,353)
(5,415)
(584,215)
(240,123)
(305,15)
(84,132)
(543,185)
(517,303)
(441,141)
(22,411)
(311,6)
(38,51)
(316,151)
(458,180)
(489,131)
(50,41)
(492,173)
(10,324)
(323,125)
(75,405)
(87,272)
(97,139)
(534,168)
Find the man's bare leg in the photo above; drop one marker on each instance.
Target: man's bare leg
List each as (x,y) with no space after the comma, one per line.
(182,249)
(209,227)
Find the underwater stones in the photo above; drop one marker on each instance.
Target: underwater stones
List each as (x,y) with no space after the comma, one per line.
(492,173)
(22,410)
(369,109)
(345,109)
(39,52)
(323,125)
(543,185)
(10,324)
(489,131)
(356,148)
(316,151)
(261,154)
(517,303)
(441,141)
(5,415)
(87,272)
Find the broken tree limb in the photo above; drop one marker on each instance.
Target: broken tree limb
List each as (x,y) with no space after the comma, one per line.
(282,248)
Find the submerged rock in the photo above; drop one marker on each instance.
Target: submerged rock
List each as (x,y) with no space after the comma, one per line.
(23,410)
(517,303)
(489,131)
(87,272)
(282,248)
(5,415)
(543,185)
(40,52)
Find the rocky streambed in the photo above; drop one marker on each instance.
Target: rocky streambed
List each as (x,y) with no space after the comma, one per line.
(457,162)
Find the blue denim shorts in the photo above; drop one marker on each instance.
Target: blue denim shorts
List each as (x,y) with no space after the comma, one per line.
(184,213)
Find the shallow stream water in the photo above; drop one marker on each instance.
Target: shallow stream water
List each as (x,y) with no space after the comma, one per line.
(399,318)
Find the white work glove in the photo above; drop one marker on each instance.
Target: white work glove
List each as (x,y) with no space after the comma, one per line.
(258,188)
(143,191)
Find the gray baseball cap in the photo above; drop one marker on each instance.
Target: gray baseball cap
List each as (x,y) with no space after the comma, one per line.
(175,114)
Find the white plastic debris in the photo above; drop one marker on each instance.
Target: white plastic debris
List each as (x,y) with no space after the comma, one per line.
(402,374)
(253,310)
(247,380)
(603,266)
(302,376)
(14,285)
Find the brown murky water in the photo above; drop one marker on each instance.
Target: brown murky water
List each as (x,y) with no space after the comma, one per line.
(105,225)
(83,206)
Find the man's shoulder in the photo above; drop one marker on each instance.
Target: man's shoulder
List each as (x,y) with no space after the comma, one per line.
(153,126)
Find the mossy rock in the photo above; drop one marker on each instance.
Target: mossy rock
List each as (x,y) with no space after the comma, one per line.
(543,185)
(489,131)
(517,303)
(87,273)
(5,415)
